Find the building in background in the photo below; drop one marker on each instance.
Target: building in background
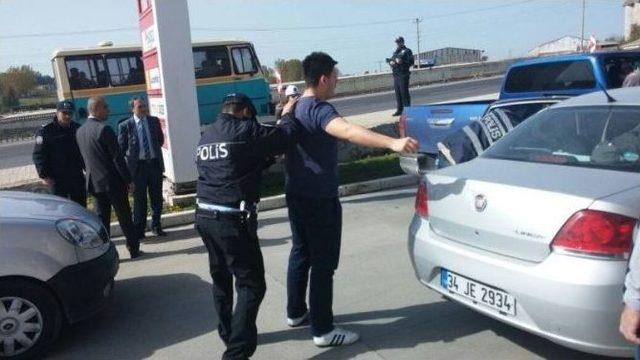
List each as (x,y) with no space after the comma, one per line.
(572,44)
(563,45)
(631,16)
(448,55)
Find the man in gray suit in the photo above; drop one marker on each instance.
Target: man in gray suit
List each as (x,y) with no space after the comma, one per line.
(106,172)
(140,138)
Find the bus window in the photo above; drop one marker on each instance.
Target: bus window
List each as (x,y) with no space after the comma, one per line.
(211,62)
(125,69)
(243,60)
(86,72)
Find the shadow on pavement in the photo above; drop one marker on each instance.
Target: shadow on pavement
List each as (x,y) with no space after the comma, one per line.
(172,235)
(407,327)
(145,314)
(383,197)
(147,255)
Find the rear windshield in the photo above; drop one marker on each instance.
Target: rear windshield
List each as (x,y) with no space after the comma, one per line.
(597,137)
(564,75)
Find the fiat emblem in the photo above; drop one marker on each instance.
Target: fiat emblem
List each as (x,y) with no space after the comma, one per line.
(480,203)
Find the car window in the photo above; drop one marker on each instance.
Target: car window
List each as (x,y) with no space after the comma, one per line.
(599,137)
(618,67)
(563,75)
(86,72)
(523,111)
(243,60)
(211,61)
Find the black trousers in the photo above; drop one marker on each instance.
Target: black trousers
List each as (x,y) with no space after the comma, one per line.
(148,179)
(401,86)
(234,251)
(117,197)
(316,226)
(73,189)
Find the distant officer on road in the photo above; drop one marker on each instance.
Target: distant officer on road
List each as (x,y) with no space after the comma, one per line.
(401,62)
(230,158)
(57,157)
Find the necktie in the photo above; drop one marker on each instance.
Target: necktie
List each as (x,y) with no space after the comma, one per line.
(144,139)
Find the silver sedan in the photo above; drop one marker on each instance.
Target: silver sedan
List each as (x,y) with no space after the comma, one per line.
(57,266)
(537,231)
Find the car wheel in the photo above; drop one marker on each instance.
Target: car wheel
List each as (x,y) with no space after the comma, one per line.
(30,319)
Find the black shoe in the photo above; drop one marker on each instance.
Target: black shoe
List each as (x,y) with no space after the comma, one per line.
(159,232)
(397,113)
(134,252)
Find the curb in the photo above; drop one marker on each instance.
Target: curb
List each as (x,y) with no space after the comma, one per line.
(279,201)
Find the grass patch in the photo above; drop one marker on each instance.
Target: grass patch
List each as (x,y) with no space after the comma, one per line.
(370,168)
(38,101)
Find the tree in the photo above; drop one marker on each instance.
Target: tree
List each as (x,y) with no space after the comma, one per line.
(290,70)
(269,74)
(21,80)
(44,79)
(635,33)
(10,99)
(615,38)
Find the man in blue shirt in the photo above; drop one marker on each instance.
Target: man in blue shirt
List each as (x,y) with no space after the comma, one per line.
(315,212)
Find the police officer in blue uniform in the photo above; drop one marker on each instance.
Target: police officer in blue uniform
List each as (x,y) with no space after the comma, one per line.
(57,157)
(400,63)
(230,158)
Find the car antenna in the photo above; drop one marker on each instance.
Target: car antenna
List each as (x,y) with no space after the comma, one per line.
(610,99)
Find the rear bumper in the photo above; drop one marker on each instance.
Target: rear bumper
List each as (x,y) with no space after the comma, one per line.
(417,164)
(573,301)
(84,288)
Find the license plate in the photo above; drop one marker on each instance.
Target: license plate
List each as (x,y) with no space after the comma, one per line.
(479,293)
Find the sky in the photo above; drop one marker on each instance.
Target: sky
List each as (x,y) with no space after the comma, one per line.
(359,34)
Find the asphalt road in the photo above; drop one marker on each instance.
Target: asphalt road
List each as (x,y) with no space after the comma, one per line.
(19,153)
(162,306)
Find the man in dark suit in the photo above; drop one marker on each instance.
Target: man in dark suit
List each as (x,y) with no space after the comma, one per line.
(140,138)
(106,172)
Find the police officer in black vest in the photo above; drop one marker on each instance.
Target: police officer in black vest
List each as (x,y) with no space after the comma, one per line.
(401,62)
(57,157)
(230,158)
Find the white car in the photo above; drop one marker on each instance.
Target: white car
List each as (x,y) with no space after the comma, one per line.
(537,231)
(57,266)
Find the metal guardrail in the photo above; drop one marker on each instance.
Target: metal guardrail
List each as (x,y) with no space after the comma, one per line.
(18,128)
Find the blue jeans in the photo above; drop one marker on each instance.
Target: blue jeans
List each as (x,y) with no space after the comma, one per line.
(316,226)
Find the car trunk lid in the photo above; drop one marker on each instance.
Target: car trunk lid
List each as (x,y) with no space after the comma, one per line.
(514,208)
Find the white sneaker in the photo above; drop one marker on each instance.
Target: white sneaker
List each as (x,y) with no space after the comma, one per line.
(337,337)
(297,321)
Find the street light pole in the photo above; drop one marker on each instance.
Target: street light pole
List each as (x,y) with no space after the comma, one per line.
(582,32)
(418,21)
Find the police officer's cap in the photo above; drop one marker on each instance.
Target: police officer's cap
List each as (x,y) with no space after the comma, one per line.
(240,98)
(399,40)
(65,106)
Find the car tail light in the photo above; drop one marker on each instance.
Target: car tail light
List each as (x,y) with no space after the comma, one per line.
(402,125)
(422,208)
(599,233)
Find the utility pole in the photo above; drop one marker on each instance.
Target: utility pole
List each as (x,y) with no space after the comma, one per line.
(418,21)
(380,65)
(582,32)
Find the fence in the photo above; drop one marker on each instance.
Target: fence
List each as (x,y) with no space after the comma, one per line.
(21,127)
